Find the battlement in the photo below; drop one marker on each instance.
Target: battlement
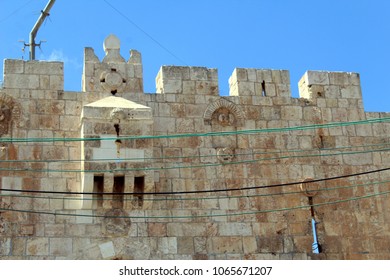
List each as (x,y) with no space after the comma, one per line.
(33,75)
(186,166)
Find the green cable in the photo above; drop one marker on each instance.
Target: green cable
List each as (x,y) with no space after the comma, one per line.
(203,215)
(205,134)
(189,166)
(192,198)
(146,159)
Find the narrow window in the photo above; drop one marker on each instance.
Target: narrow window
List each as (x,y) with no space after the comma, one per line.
(98,189)
(263,93)
(139,188)
(118,189)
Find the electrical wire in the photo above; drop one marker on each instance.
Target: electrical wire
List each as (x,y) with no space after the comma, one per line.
(15,11)
(143,31)
(161,168)
(202,215)
(202,134)
(197,198)
(201,191)
(203,156)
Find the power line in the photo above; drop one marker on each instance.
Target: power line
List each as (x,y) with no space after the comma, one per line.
(197,198)
(203,215)
(160,168)
(202,134)
(143,31)
(15,11)
(202,191)
(162,158)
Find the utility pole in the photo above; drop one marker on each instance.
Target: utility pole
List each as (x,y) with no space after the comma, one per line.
(36,27)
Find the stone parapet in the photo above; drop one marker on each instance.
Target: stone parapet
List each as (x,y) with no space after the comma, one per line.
(187,80)
(42,75)
(260,82)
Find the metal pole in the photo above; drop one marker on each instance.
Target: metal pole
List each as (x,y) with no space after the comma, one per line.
(36,27)
(315,246)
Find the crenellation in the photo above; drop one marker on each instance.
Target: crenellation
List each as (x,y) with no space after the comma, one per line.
(111,149)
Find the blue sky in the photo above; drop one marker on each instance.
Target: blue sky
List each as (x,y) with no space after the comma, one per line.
(299,35)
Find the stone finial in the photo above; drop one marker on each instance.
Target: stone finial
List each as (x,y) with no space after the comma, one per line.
(111,46)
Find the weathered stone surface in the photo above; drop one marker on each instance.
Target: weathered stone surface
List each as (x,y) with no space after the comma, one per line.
(116,164)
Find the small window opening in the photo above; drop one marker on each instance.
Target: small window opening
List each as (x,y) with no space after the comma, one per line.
(263,93)
(114,91)
(117,129)
(322,142)
(98,190)
(118,189)
(139,189)
(124,81)
(102,80)
(113,69)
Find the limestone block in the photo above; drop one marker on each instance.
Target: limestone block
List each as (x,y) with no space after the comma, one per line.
(54,230)
(14,183)
(235,229)
(316,78)
(5,246)
(283,90)
(252,74)
(18,246)
(167,245)
(176,72)
(44,67)
(26,229)
(271,244)
(249,244)
(23,81)
(87,219)
(107,250)
(339,78)
(61,246)
(172,86)
(203,74)
(332,91)
(264,75)
(206,87)
(351,92)
(358,159)
(157,229)
(56,82)
(246,88)
(223,245)
(37,246)
(13,66)
(291,113)
(164,109)
(239,74)
(185,245)
(44,81)
(354,79)
(189,87)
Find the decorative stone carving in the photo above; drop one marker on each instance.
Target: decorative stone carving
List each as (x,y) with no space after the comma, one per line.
(224,112)
(225,155)
(118,114)
(309,188)
(112,81)
(112,46)
(9,112)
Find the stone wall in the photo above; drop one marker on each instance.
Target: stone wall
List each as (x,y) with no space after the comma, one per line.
(115,173)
